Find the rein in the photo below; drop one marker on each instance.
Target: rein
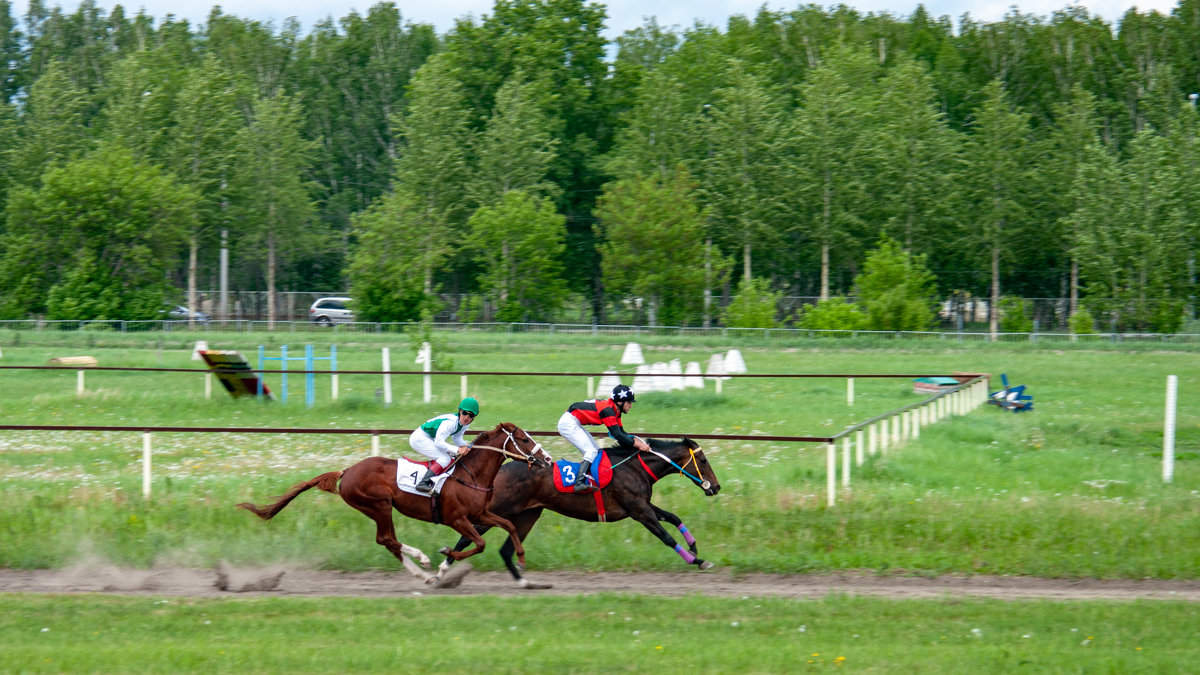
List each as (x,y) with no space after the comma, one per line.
(691,452)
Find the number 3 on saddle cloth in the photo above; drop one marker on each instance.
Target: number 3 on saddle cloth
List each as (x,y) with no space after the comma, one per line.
(566,473)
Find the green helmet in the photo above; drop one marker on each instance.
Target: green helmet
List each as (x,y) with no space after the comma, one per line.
(470,405)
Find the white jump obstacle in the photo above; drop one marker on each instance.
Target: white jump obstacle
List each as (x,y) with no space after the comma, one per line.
(716,370)
(693,368)
(632,355)
(734,363)
(675,373)
(642,380)
(608,380)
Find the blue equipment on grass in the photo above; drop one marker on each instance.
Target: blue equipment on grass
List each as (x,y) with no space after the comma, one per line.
(1011,398)
(309,377)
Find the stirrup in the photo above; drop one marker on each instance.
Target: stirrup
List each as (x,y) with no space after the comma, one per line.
(424,487)
(583,485)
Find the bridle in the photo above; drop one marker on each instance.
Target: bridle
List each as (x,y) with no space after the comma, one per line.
(704,484)
(529,457)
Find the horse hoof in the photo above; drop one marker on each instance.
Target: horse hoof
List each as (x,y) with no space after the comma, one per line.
(445,550)
(453,576)
(704,564)
(530,585)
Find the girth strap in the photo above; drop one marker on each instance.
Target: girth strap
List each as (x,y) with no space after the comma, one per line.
(599,506)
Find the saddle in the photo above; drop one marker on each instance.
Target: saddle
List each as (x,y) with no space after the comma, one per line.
(409,472)
(566,473)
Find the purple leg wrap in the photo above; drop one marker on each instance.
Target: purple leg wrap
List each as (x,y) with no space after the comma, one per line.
(687,536)
(685,554)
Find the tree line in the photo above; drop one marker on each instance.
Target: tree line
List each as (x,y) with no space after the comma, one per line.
(683,173)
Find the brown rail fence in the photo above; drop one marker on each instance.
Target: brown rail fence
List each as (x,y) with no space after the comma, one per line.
(866,439)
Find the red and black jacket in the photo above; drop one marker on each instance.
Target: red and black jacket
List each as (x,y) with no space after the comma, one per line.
(606,412)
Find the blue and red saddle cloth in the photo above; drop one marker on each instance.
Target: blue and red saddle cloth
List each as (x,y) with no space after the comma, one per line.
(567,473)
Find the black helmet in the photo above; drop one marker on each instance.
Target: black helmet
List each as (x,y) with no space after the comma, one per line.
(621,393)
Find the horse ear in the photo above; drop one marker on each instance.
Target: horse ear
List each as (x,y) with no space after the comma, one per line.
(690,443)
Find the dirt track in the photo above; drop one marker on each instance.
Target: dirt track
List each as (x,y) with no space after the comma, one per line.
(283,582)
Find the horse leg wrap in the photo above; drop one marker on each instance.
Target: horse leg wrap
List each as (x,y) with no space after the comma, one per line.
(685,554)
(687,536)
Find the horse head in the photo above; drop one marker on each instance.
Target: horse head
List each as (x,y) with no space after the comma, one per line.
(686,457)
(513,441)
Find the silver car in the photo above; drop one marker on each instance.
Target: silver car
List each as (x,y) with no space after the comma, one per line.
(328,311)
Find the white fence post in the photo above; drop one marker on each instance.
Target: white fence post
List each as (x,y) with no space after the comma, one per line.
(79,384)
(831,473)
(849,391)
(846,461)
(146,465)
(374,444)
(1169,429)
(387,377)
(858,447)
(425,357)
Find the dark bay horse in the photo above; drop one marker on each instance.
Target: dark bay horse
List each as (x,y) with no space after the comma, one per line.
(370,486)
(522,493)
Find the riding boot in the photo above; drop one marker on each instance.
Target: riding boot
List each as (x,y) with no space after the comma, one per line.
(425,485)
(583,482)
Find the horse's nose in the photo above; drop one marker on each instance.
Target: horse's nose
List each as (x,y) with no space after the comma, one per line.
(714,489)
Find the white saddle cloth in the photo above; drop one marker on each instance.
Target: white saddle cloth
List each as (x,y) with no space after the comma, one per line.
(409,473)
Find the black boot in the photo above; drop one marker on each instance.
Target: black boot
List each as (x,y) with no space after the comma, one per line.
(582,483)
(425,485)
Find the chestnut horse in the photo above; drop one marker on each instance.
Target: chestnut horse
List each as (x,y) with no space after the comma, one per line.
(370,486)
(523,492)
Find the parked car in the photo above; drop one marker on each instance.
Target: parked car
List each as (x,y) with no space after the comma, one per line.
(182,313)
(328,311)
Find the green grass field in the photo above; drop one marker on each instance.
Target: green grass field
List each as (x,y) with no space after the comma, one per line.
(600,633)
(1072,489)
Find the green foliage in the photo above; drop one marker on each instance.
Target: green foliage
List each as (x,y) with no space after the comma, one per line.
(744,177)
(896,290)
(108,253)
(811,132)
(518,242)
(422,333)
(653,246)
(88,292)
(1082,322)
(833,314)
(753,306)
(1014,316)
(274,206)
(1131,236)
(386,280)
(470,309)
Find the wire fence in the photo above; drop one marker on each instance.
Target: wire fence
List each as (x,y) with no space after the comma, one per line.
(595,330)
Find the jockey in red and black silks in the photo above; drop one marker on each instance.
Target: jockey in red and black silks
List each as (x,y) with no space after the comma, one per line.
(605,412)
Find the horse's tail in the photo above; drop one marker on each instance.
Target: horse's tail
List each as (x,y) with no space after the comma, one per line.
(326,481)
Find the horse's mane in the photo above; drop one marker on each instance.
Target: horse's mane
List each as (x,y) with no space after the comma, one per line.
(617,452)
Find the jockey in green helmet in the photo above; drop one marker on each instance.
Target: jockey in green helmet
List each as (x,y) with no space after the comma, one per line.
(441,439)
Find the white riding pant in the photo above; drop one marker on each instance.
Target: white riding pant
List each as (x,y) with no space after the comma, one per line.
(570,429)
(422,443)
